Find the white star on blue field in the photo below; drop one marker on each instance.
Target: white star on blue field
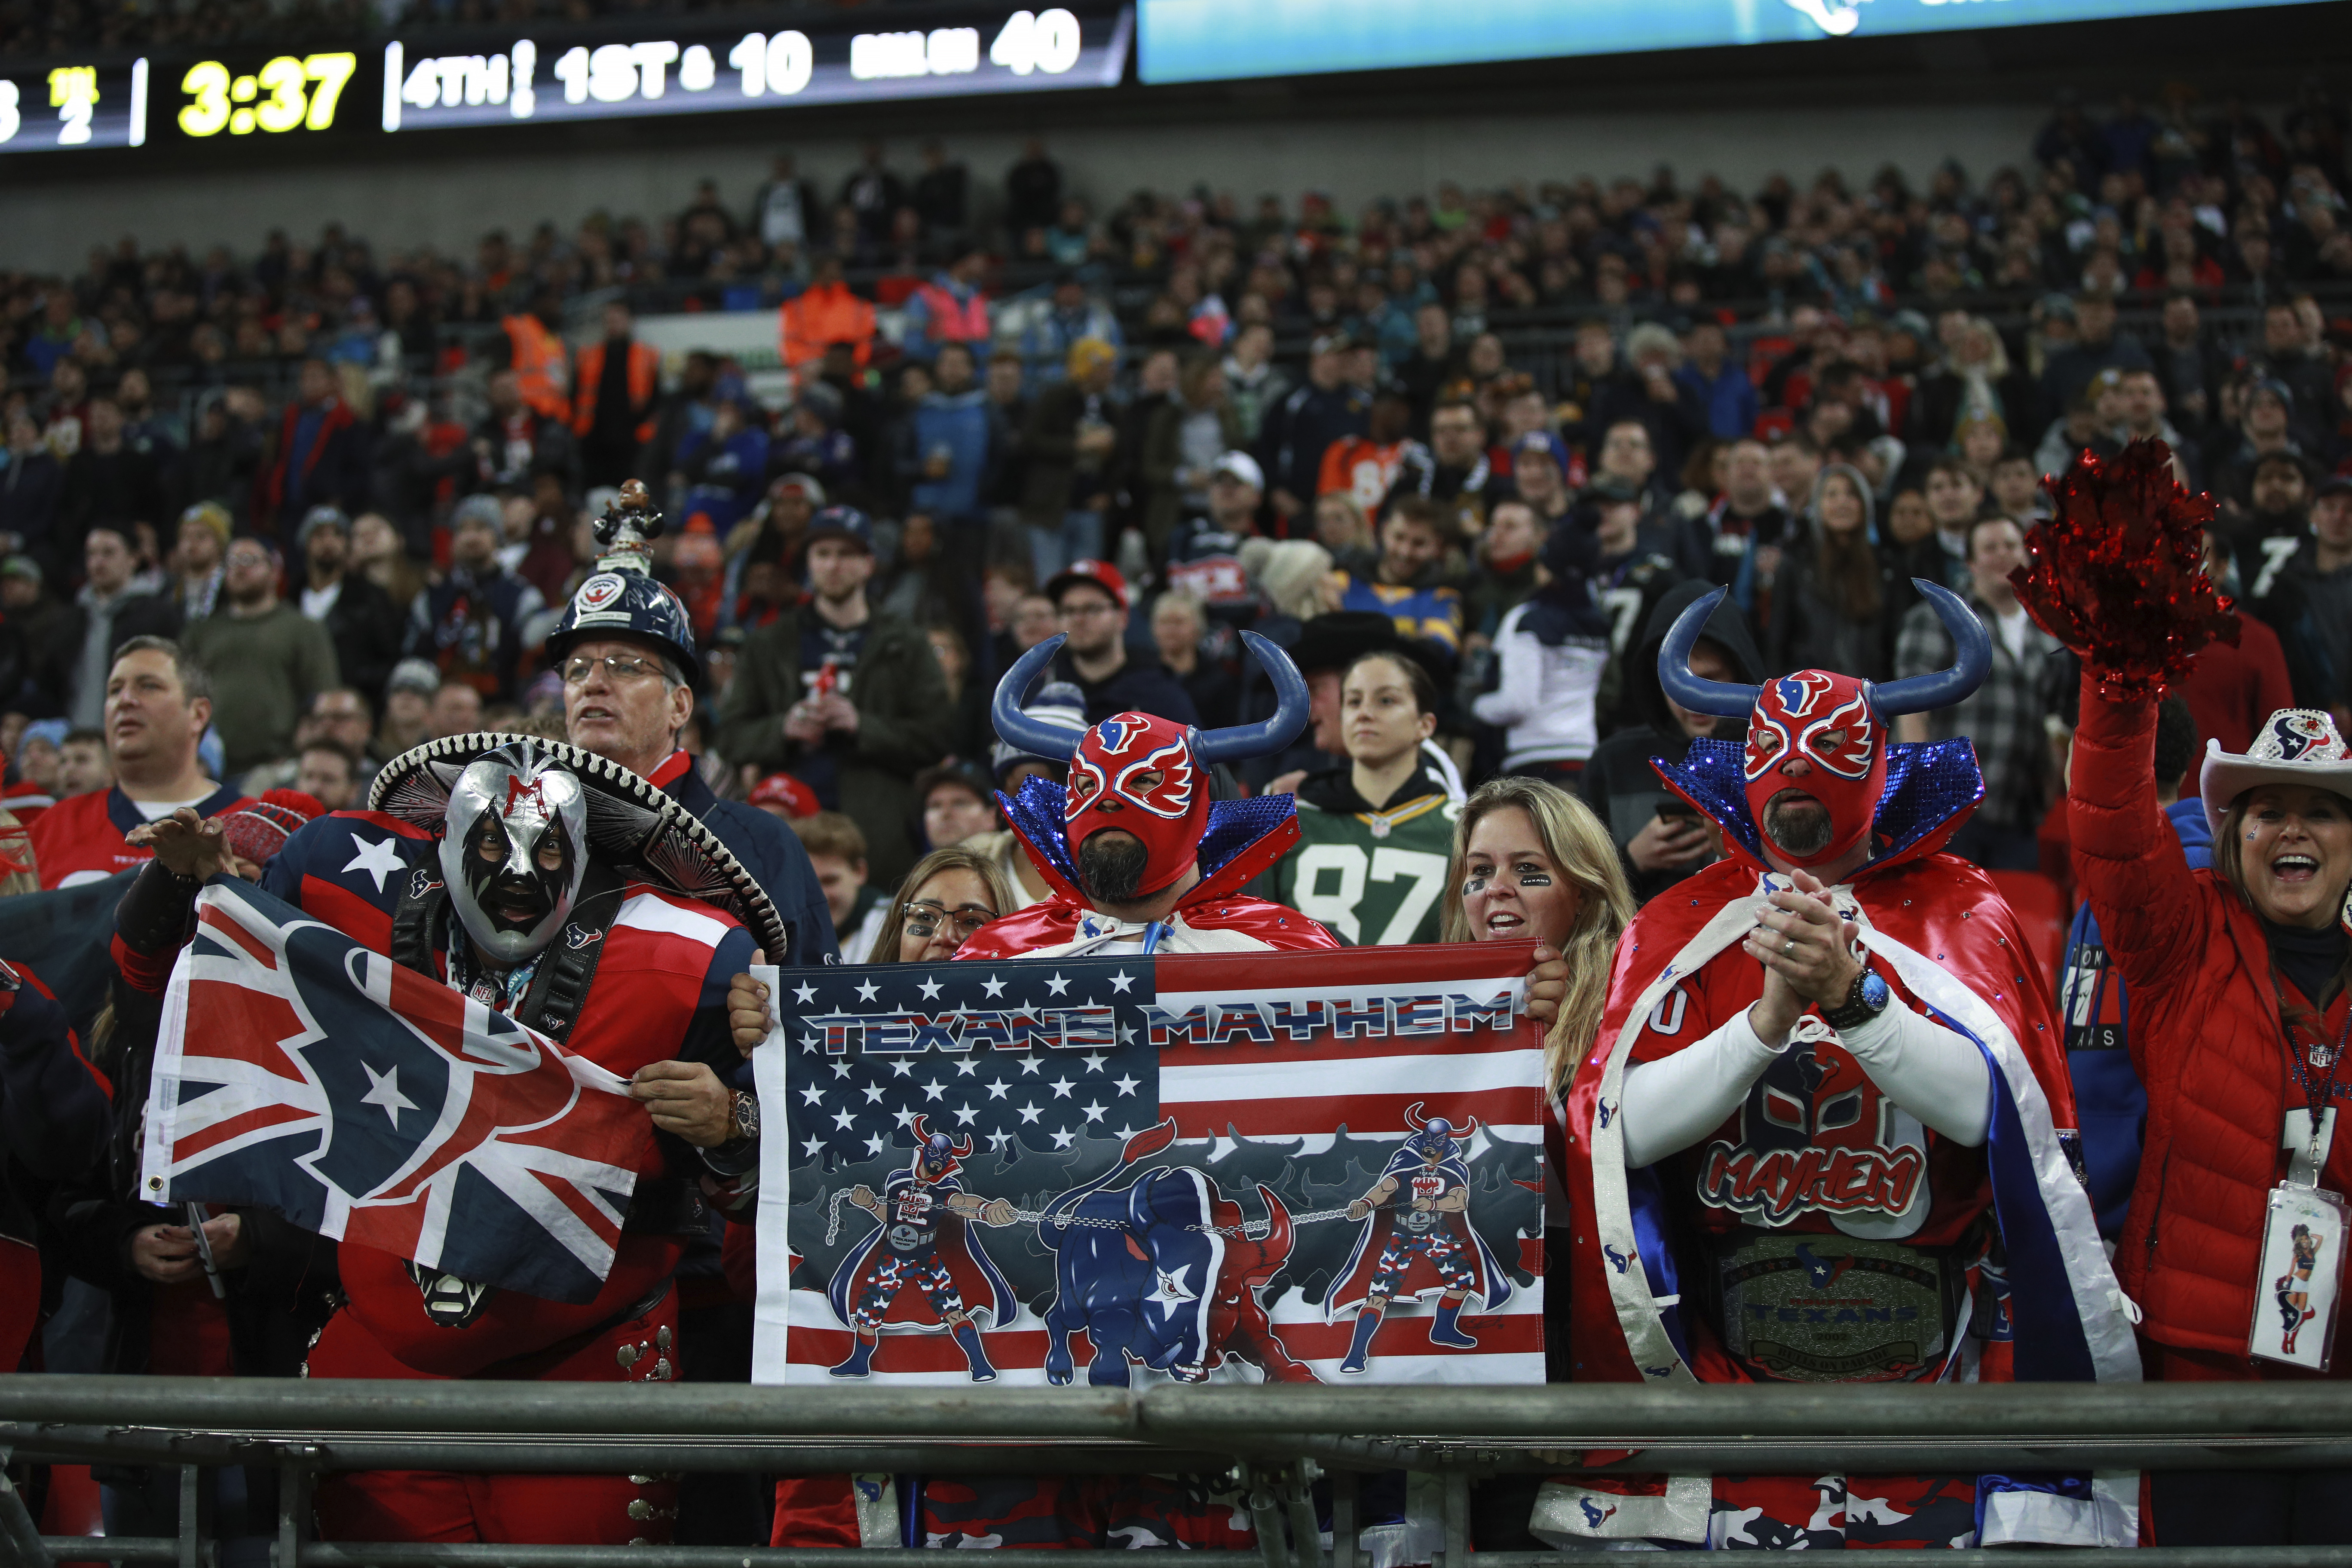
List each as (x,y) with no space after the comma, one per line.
(852,1106)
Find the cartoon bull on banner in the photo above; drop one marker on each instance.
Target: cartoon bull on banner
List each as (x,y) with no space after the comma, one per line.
(1161,1271)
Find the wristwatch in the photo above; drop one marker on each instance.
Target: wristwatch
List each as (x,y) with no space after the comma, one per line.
(741,1153)
(1866,1001)
(746,1114)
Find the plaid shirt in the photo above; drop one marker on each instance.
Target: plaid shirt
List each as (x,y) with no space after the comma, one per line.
(2004,718)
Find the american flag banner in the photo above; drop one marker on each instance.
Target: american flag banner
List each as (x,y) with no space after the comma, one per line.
(1321,1166)
(300,1071)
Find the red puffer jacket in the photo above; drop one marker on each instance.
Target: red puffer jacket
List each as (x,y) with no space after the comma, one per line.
(2206,1036)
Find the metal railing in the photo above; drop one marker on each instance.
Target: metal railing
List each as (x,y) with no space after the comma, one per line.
(1270,1442)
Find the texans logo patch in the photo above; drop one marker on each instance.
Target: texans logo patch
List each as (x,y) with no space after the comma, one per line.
(600,591)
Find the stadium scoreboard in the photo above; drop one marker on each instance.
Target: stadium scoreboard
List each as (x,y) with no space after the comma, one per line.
(228,101)
(1222,40)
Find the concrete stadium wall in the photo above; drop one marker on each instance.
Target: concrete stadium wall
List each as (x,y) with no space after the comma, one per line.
(450,201)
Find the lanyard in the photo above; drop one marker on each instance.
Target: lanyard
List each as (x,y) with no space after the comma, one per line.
(2315,1100)
(492,990)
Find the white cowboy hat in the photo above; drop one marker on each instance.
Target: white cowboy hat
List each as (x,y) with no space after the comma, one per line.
(2294,745)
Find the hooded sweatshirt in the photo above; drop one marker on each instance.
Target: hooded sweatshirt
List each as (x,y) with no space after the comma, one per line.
(1549,654)
(1618,783)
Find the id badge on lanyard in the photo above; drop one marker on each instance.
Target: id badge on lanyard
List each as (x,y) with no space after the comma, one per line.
(2298,1277)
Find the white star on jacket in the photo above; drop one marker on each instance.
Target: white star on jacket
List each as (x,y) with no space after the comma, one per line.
(379,859)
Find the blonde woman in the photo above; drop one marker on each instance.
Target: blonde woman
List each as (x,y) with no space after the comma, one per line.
(1530,860)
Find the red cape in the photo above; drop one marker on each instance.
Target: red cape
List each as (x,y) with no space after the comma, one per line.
(1055,923)
(1420,1277)
(1938,905)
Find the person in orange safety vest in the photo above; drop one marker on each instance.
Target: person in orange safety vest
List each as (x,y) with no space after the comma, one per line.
(950,309)
(535,346)
(825,313)
(613,399)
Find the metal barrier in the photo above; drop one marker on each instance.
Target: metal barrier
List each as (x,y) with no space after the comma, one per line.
(1272,1442)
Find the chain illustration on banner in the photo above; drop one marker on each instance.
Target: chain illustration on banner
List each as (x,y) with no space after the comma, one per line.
(1067,1174)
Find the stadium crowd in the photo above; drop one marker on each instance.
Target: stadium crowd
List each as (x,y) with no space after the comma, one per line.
(269,521)
(1505,423)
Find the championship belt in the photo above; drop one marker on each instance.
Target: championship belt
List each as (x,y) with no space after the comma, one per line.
(1828,1308)
(1415,1222)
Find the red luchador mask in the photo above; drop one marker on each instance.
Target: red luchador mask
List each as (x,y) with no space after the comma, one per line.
(1815,731)
(1138,773)
(1147,775)
(1821,733)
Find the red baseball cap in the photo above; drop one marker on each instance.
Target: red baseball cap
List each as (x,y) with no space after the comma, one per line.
(787,794)
(1102,574)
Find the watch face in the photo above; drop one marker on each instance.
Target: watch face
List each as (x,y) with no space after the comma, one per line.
(747,1116)
(1874,990)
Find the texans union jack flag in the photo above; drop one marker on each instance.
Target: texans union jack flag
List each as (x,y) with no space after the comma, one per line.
(1296,1167)
(300,1072)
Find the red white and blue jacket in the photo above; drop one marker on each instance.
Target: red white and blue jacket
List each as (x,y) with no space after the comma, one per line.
(660,989)
(659,994)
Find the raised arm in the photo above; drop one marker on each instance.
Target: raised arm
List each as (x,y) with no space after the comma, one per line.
(2118,577)
(2128,859)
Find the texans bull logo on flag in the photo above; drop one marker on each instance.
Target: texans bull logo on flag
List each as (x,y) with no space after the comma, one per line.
(1289,1167)
(298,1070)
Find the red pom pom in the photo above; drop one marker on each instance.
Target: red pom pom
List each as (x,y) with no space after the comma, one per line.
(2119,574)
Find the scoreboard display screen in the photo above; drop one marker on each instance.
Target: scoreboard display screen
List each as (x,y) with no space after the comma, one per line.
(225,102)
(59,107)
(1213,40)
(712,69)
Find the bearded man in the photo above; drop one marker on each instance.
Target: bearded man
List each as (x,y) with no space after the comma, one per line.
(1824,1133)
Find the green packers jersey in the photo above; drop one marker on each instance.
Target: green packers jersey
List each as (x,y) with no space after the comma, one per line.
(1372,878)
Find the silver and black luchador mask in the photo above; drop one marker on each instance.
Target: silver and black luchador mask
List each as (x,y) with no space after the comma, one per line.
(515,849)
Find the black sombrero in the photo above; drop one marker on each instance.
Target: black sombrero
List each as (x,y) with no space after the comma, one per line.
(632,821)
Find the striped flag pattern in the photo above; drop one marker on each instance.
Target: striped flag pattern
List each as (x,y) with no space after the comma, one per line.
(1143,1169)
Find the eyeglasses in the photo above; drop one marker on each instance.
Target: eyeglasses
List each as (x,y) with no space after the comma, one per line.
(924,918)
(617,666)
